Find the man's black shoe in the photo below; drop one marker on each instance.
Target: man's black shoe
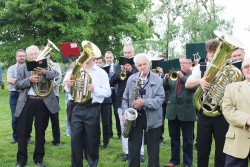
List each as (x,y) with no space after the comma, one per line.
(13,141)
(142,158)
(41,164)
(19,165)
(125,157)
(105,146)
(56,143)
(29,141)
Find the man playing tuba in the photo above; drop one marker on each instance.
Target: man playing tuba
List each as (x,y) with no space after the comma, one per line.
(85,119)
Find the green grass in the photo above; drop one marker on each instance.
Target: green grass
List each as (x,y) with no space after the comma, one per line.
(61,156)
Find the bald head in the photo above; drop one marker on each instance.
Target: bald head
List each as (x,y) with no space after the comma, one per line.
(128,50)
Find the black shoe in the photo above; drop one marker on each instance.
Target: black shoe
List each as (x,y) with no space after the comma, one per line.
(142,158)
(125,157)
(29,141)
(13,141)
(105,146)
(19,165)
(41,164)
(56,143)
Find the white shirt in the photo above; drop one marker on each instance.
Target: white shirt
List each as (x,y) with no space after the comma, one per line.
(100,82)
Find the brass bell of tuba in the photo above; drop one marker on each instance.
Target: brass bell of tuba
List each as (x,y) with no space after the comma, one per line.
(81,75)
(219,74)
(44,87)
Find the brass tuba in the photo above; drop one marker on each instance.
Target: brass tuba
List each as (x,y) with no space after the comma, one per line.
(131,114)
(44,87)
(81,75)
(219,74)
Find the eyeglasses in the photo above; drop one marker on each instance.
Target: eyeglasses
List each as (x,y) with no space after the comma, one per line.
(246,67)
(21,55)
(184,63)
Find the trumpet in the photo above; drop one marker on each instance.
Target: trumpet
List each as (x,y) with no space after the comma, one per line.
(56,78)
(158,71)
(173,75)
(123,75)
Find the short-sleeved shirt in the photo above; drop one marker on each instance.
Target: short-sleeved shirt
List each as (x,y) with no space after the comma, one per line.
(12,73)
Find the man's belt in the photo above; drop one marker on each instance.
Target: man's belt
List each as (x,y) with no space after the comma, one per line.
(35,97)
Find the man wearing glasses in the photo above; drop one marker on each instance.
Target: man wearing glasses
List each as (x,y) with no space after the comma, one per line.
(235,108)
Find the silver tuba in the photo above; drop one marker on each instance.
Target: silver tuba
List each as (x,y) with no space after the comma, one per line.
(81,75)
(131,114)
(219,74)
(44,87)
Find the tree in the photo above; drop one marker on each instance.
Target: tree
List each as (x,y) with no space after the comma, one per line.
(105,23)
(185,21)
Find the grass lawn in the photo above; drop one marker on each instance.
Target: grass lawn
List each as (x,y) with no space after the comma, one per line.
(61,156)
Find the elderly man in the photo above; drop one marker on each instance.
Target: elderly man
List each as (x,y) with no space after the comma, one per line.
(235,108)
(149,108)
(31,105)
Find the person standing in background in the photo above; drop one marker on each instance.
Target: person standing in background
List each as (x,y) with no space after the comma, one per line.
(14,94)
(114,68)
(181,115)
(54,117)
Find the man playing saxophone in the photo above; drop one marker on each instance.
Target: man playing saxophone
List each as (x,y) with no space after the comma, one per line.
(149,108)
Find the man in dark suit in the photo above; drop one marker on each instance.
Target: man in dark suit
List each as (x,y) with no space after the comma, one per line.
(181,114)
(31,105)
(114,68)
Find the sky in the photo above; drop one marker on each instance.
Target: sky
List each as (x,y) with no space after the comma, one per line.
(238,10)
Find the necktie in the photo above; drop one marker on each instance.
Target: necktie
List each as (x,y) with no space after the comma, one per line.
(178,87)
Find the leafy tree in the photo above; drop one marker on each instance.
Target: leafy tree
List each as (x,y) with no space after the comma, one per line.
(104,22)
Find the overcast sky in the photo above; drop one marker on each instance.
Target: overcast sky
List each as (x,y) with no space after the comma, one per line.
(238,10)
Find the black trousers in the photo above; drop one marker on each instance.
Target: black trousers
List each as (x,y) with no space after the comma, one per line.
(164,106)
(236,162)
(33,109)
(54,119)
(85,134)
(187,127)
(117,120)
(135,142)
(105,111)
(208,128)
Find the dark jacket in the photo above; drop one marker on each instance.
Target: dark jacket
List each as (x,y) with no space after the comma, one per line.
(180,105)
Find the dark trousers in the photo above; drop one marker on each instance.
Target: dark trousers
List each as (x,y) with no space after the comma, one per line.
(117,120)
(85,134)
(163,121)
(54,119)
(105,111)
(33,109)
(135,142)
(187,128)
(208,128)
(236,162)
(13,101)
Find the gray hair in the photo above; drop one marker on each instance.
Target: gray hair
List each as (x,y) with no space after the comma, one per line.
(140,56)
(245,60)
(28,49)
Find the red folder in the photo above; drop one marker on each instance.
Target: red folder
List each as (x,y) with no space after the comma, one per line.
(70,49)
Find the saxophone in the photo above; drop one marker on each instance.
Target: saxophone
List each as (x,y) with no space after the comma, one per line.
(131,114)
(220,73)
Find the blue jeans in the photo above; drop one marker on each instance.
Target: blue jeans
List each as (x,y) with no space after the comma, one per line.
(13,101)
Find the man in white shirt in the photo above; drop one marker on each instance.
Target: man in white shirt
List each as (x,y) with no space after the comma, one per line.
(85,120)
